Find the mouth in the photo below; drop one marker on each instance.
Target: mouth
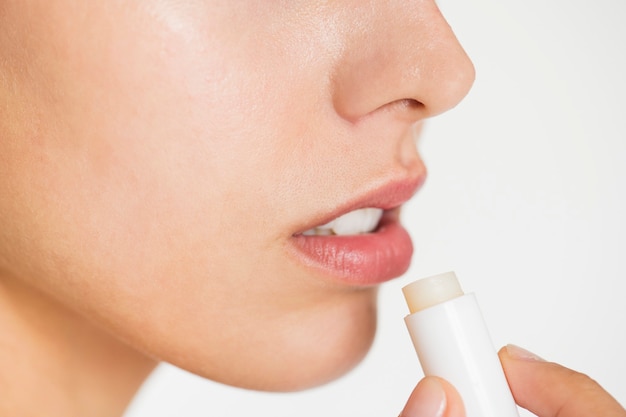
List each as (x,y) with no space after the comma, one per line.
(363,242)
(355,222)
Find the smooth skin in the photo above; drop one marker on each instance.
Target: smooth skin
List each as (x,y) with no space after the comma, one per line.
(544,388)
(157,158)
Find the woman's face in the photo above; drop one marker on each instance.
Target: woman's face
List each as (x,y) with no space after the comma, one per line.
(161,160)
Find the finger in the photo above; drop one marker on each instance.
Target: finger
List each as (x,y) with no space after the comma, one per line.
(551,390)
(434,397)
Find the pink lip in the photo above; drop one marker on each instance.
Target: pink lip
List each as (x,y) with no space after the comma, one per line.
(367,259)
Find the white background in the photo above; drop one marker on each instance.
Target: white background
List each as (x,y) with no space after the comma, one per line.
(526,201)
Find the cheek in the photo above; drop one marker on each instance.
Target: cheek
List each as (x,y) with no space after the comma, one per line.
(160,214)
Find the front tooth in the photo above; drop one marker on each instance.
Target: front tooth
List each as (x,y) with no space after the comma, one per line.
(357,221)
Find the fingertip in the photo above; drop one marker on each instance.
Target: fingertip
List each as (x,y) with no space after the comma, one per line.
(548,389)
(519,353)
(454,406)
(434,397)
(428,399)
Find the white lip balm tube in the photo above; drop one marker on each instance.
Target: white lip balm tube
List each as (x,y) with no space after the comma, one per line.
(452,342)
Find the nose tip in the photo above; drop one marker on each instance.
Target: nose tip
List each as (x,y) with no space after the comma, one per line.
(405,59)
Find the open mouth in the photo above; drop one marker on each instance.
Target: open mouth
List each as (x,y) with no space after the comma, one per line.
(360,221)
(361,243)
(362,247)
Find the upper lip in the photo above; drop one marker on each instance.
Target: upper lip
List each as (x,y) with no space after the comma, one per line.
(389,195)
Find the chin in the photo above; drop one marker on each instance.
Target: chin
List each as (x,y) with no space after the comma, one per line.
(300,350)
(329,353)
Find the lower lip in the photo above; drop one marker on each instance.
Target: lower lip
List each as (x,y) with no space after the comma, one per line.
(359,260)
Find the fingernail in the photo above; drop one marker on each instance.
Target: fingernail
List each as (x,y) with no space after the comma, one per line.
(517,352)
(428,400)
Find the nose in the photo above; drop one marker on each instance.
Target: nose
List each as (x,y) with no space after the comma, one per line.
(402,56)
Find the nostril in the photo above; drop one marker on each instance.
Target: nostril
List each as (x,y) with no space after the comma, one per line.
(408,104)
(407,109)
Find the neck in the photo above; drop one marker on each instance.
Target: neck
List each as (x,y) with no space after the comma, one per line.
(54,362)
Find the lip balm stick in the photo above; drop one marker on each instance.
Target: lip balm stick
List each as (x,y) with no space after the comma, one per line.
(452,342)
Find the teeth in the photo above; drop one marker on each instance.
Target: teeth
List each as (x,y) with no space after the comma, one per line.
(358,221)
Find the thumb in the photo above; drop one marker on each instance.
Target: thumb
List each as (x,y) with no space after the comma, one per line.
(551,390)
(434,397)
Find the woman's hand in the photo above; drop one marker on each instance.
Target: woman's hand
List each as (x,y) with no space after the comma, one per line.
(544,388)
(550,390)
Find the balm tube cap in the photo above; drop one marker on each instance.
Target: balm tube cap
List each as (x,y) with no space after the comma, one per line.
(452,342)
